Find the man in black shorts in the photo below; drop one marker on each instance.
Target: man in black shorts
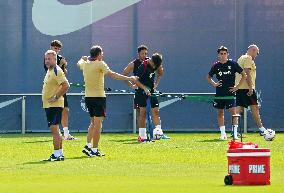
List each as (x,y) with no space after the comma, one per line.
(225,70)
(94,70)
(56,46)
(133,66)
(55,85)
(246,95)
(146,84)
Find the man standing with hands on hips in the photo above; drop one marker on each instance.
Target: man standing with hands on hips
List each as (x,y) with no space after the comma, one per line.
(55,85)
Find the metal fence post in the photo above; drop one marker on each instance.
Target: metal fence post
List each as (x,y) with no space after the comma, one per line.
(23,114)
(134,122)
(245,120)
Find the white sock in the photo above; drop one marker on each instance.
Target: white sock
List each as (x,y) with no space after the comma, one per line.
(61,151)
(222,129)
(66,131)
(235,129)
(56,153)
(262,129)
(95,149)
(89,145)
(142,133)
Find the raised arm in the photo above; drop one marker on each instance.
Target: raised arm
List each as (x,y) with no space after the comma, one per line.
(63,63)
(81,61)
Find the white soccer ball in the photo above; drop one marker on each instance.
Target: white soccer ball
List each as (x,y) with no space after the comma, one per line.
(269,135)
(157,133)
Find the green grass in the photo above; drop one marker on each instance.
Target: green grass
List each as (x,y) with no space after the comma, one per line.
(185,163)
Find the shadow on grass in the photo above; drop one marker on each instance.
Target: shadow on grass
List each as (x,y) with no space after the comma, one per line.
(133,142)
(123,140)
(210,140)
(45,162)
(41,141)
(218,140)
(36,162)
(129,141)
(29,135)
(79,157)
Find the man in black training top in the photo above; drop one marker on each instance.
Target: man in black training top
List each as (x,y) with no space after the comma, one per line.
(225,70)
(146,73)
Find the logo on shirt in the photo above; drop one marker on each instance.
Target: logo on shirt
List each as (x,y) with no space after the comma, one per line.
(224,73)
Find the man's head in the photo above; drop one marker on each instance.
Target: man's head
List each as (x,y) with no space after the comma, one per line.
(50,58)
(157,60)
(253,51)
(96,52)
(223,53)
(56,46)
(142,52)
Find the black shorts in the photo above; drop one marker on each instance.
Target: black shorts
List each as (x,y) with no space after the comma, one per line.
(96,106)
(65,100)
(53,115)
(243,100)
(141,100)
(224,103)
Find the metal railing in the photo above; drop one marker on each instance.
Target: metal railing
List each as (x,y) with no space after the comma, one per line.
(134,122)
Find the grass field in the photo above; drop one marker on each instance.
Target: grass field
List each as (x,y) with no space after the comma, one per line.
(185,163)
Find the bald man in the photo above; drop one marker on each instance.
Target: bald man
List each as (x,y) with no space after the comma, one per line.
(246,95)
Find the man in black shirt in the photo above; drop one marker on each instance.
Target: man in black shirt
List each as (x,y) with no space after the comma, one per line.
(146,73)
(133,67)
(56,46)
(225,70)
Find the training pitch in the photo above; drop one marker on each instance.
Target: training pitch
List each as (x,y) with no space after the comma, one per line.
(185,163)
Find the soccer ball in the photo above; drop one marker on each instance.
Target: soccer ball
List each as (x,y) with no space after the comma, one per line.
(269,135)
(157,133)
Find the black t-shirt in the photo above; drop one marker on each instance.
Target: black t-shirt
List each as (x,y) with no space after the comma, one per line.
(137,63)
(146,74)
(59,58)
(226,74)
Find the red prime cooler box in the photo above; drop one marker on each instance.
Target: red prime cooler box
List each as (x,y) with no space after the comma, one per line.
(247,164)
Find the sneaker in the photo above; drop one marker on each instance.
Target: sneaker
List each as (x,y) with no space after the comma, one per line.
(69,137)
(96,154)
(165,137)
(141,139)
(262,133)
(52,158)
(223,137)
(62,158)
(86,150)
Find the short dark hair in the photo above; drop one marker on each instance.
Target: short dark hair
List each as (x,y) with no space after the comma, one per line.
(95,51)
(157,59)
(222,48)
(142,47)
(56,43)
